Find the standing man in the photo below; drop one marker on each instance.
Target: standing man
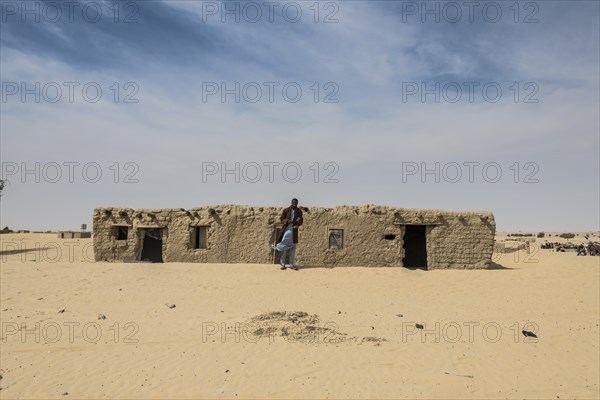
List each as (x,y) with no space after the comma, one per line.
(291,219)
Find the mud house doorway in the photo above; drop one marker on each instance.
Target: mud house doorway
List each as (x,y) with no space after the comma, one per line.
(152,246)
(415,247)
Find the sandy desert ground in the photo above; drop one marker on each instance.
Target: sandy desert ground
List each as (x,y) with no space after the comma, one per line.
(248,330)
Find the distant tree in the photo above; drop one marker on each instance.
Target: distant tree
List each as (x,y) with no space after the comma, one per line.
(2,184)
(541,234)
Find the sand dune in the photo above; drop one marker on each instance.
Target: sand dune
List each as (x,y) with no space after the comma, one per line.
(248,330)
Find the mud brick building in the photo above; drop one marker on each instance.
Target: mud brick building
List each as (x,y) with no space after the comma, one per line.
(366,235)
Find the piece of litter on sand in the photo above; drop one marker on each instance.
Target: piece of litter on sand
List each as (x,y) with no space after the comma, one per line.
(65,394)
(464,376)
(399,315)
(62,310)
(170,305)
(528,334)
(419,326)
(220,390)
(101,316)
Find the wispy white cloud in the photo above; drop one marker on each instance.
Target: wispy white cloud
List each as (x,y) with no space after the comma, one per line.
(369,133)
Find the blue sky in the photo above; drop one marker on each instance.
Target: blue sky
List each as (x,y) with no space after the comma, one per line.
(373,134)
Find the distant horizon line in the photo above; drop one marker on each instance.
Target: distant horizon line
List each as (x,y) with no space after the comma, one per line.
(90,226)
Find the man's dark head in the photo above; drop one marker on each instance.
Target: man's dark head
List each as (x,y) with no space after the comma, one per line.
(294,202)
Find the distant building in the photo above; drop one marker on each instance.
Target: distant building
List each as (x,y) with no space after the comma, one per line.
(74,235)
(367,235)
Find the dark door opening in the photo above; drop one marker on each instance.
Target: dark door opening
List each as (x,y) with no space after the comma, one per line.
(152,247)
(415,247)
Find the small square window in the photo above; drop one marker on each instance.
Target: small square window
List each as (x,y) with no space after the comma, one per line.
(200,237)
(336,239)
(122,232)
